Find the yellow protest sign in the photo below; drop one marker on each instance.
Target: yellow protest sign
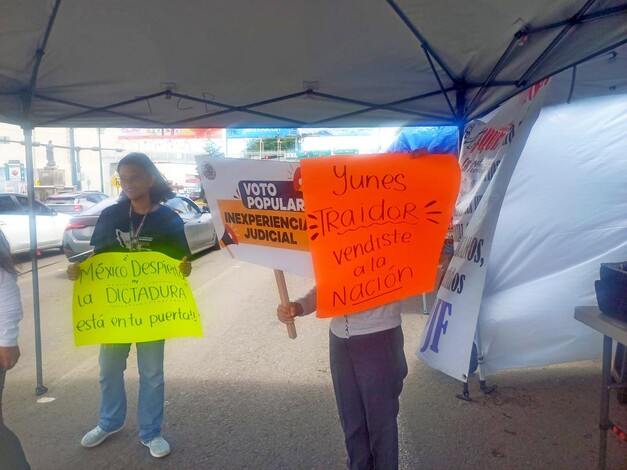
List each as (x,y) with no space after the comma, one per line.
(131,298)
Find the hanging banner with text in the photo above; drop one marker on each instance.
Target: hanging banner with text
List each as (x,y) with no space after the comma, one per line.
(132,298)
(258,211)
(490,152)
(376,226)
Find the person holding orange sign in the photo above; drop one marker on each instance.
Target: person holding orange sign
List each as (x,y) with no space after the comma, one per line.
(368,367)
(376,227)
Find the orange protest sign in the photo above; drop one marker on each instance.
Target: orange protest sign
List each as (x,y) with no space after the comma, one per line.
(376,225)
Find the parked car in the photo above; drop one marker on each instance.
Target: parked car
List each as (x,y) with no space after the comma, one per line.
(14,222)
(74,202)
(199,229)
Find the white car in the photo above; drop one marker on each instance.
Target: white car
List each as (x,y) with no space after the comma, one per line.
(14,223)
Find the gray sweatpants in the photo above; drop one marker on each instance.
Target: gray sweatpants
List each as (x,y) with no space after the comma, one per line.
(368,372)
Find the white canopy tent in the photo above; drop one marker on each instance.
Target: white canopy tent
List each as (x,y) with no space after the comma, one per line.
(203,63)
(564,213)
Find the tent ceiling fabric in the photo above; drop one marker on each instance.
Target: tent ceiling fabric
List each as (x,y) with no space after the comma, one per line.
(298,63)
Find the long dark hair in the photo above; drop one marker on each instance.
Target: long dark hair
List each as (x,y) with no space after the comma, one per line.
(161,190)
(6,260)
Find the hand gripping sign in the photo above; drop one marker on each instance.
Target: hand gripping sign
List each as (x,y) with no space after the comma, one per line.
(131,298)
(376,225)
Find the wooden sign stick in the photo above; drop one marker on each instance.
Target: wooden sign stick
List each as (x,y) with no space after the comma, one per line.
(285,300)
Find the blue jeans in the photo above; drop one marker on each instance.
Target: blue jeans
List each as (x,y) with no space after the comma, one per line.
(151,388)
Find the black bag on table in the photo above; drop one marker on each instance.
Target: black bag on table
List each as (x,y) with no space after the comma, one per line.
(611,290)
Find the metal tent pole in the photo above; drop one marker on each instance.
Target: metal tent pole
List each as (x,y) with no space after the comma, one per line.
(461,116)
(27,128)
(40,389)
(482,385)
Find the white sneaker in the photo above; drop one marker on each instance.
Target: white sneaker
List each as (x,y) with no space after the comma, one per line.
(96,436)
(158,446)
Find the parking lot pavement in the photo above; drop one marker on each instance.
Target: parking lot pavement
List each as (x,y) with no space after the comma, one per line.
(247,397)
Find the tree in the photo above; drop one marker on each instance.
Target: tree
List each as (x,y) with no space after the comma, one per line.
(212,149)
(271,144)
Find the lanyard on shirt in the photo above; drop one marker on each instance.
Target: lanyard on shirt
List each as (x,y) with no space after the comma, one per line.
(134,234)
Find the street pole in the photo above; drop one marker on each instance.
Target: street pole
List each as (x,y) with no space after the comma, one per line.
(79,182)
(73,159)
(100,160)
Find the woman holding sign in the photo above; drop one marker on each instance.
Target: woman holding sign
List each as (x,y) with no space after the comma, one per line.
(137,222)
(368,367)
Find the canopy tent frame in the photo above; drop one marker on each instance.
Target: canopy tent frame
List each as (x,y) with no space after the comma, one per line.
(463,110)
(458,83)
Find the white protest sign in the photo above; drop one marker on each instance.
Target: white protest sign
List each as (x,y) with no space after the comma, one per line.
(258,211)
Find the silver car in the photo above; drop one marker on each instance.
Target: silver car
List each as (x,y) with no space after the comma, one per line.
(199,229)
(74,202)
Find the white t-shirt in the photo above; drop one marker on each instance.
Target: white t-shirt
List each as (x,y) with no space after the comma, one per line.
(10,309)
(381,318)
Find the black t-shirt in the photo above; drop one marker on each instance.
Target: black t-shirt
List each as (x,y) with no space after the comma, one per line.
(162,231)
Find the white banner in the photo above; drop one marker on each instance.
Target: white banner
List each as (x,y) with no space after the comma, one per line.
(258,211)
(490,152)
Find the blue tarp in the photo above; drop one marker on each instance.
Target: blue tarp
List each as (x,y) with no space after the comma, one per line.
(438,139)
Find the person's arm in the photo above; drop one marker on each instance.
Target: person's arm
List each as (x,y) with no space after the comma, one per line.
(180,246)
(10,316)
(302,306)
(179,240)
(8,357)
(9,321)
(308,302)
